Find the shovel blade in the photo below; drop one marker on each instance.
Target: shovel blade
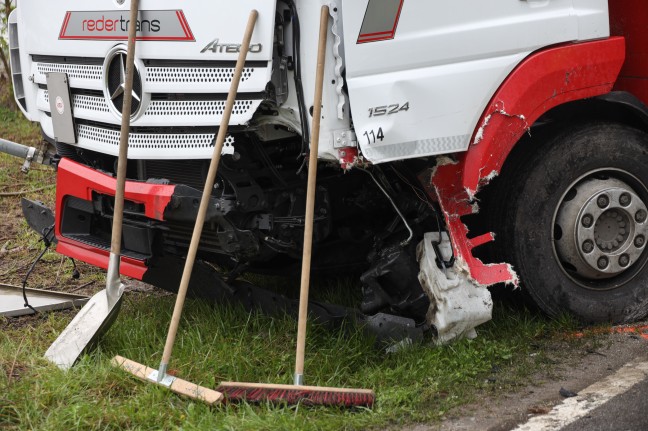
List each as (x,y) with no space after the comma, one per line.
(94,319)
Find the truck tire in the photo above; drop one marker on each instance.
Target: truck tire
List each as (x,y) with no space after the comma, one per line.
(576,224)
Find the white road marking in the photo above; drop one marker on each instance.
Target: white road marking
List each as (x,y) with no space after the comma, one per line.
(572,409)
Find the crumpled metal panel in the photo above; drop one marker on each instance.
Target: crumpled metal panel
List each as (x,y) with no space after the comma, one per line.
(457,304)
(12,303)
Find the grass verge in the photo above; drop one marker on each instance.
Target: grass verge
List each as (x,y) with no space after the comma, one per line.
(19,245)
(419,384)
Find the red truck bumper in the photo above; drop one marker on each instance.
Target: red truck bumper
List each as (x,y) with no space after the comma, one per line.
(81,182)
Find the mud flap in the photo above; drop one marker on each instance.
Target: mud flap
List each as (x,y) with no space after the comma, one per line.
(457,304)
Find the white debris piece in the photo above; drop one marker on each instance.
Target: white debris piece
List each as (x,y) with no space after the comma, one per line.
(457,304)
(228,145)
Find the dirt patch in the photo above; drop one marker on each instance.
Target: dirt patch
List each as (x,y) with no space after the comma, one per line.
(15,372)
(19,246)
(30,321)
(569,365)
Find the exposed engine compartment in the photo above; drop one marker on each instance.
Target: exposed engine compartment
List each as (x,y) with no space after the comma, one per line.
(367,224)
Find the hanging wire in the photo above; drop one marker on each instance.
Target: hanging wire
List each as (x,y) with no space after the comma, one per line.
(44,237)
(398,211)
(421,195)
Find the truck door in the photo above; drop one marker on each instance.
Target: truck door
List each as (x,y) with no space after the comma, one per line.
(421,72)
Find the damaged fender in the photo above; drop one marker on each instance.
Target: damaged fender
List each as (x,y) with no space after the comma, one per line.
(546,79)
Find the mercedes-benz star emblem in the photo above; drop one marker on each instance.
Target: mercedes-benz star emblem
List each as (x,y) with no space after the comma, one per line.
(115,82)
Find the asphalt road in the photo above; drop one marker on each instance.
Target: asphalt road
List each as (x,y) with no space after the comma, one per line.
(616,402)
(626,412)
(609,376)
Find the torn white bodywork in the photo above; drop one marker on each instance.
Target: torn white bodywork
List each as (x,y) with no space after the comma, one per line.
(338,53)
(457,304)
(479,135)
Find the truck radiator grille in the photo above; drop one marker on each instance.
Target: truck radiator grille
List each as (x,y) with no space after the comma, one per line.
(209,110)
(189,172)
(180,236)
(196,107)
(77,71)
(81,101)
(194,74)
(183,102)
(89,135)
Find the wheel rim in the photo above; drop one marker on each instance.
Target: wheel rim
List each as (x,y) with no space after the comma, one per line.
(600,229)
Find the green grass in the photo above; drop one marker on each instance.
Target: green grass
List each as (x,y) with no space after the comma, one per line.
(419,384)
(14,127)
(14,232)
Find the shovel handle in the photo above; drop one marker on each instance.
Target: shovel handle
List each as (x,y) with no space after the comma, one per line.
(209,185)
(118,213)
(310,198)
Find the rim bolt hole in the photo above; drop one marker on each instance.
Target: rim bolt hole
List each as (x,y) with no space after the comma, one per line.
(603,201)
(639,241)
(640,216)
(587,221)
(624,260)
(588,246)
(602,262)
(625,199)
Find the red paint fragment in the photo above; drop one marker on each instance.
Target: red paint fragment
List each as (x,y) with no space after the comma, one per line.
(639,330)
(348,157)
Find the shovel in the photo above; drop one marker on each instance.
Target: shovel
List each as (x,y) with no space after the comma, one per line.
(100,312)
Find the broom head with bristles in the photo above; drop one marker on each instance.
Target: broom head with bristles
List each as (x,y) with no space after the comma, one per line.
(294,394)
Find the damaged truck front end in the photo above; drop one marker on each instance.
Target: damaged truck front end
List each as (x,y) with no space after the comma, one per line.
(158,217)
(256,216)
(415,123)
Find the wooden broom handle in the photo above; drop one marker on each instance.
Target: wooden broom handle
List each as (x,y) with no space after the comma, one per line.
(209,185)
(122,161)
(310,195)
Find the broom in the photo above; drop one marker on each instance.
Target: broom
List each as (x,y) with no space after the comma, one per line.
(160,376)
(292,394)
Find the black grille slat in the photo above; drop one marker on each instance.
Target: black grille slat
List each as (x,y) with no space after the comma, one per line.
(189,172)
(86,61)
(103,244)
(202,63)
(180,236)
